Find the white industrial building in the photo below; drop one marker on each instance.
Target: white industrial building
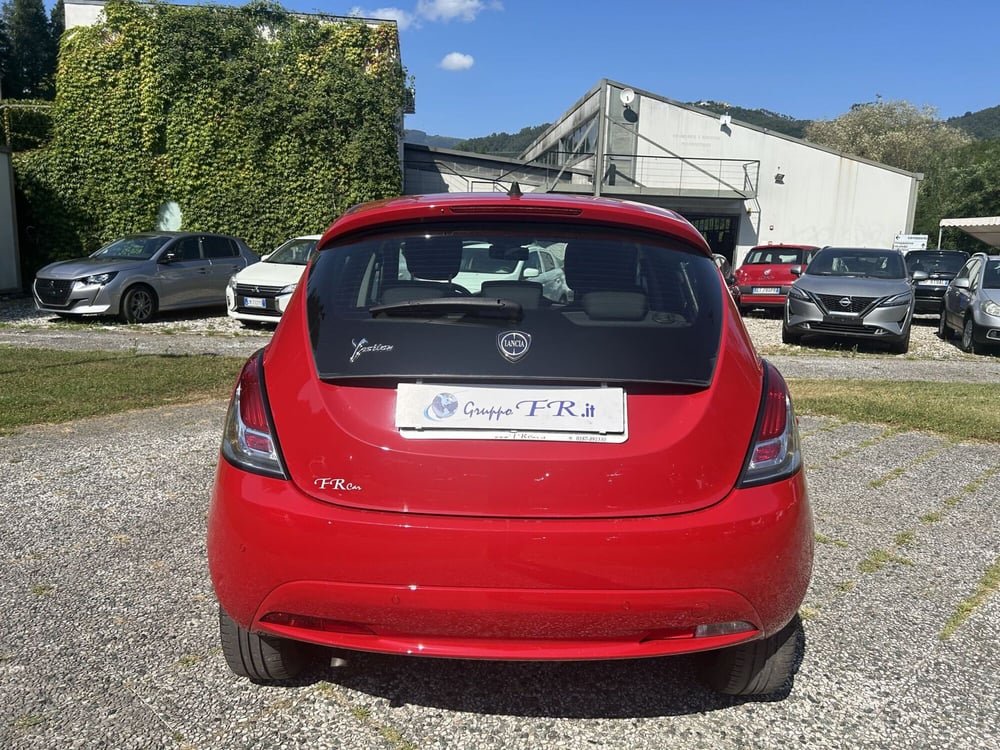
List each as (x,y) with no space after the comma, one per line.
(741,185)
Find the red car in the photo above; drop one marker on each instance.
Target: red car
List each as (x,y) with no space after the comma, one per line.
(766,274)
(408,468)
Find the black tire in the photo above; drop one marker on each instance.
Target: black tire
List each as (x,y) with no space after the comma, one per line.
(760,667)
(138,305)
(260,658)
(902,346)
(969,337)
(943,331)
(787,337)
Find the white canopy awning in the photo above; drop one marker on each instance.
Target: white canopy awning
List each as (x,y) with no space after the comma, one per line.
(984,228)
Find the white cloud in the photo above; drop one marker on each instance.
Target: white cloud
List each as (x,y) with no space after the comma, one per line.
(457,61)
(403,19)
(447,10)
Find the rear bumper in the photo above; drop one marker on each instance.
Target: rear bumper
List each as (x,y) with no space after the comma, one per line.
(749,299)
(286,564)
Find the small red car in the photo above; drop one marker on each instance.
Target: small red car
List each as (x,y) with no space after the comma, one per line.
(409,468)
(766,274)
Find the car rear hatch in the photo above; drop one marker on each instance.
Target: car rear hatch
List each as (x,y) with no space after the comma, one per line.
(637,398)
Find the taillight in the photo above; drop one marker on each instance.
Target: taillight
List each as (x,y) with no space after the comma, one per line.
(774,451)
(248,440)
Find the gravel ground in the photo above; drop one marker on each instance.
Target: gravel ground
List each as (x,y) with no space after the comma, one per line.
(109,637)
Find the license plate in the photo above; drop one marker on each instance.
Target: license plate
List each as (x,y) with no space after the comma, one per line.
(465,412)
(934,282)
(767,290)
(254,302)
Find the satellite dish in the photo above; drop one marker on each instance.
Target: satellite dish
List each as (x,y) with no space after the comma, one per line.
(627,96)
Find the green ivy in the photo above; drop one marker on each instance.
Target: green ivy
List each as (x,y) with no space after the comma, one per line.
(256,122)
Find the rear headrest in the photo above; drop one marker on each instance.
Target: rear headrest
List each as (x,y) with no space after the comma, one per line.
(592,266)
(527,293)
(433,258)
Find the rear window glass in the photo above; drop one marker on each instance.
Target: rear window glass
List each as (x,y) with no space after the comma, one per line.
(439,302)
(950,262)
(778,255)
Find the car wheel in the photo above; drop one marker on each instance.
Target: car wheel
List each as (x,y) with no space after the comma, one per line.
(943,332)
(969,337)
(260,658)
(759,667)
(138,305)
(902,345)
(787,337)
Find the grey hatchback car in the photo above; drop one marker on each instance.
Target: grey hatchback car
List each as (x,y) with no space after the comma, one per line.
(971,305)
(137,276)
(858,293)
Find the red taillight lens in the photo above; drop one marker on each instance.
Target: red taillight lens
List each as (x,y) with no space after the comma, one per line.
(249,441)
(252,411)
(774,452)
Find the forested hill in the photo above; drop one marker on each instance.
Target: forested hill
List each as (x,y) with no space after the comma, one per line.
(982,125)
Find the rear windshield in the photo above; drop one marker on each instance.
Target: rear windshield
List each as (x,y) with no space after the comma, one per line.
(513,302)
(778,255)
(945,262)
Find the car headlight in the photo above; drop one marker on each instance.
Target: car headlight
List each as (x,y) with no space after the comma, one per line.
(902,298)
(795,293)
(990,308)
(99,279)
(288,289)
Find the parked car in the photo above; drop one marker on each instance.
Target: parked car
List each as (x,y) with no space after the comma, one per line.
(412,469)
(852,293)
(971,304)
(941,267)
(766,274)
(260,293)
(726,269)
(137,276)
(486,263)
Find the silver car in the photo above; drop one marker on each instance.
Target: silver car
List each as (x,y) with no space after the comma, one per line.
(857,293)
(139,275)
(971,304)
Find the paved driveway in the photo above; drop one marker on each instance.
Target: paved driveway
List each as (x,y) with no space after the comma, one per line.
(108,636)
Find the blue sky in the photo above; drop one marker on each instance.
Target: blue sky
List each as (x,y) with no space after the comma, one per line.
(485,66)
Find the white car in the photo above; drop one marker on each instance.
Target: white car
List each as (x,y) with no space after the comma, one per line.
(260,293)
(481,262)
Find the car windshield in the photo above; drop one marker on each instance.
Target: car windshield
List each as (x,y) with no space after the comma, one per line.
(295,252)
(634,308)
(935,262)
(133,248)
(871,263)
(991,274)
(776,255)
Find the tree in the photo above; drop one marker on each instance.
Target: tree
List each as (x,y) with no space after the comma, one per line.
(29,62)
(890,132)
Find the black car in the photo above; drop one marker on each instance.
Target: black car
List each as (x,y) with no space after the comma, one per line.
(941,267)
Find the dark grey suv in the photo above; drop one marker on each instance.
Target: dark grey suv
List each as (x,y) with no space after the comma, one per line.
(858,293)
(136,276)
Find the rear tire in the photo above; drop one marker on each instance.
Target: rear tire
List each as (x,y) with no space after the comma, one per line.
(138,305)
(260,658)
(943,331)
(759,667)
